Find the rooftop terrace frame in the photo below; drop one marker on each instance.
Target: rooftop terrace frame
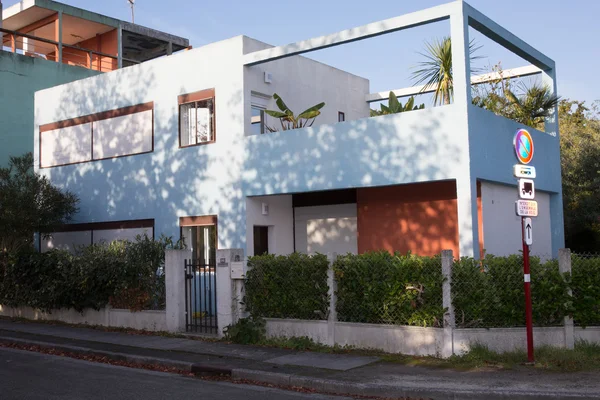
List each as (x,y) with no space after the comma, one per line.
(483,140)
(461,16)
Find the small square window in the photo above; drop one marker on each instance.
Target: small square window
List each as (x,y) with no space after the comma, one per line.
(341,116)
(196,121)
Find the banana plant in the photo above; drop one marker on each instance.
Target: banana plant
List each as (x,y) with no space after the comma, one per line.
(289,120)
(395,106)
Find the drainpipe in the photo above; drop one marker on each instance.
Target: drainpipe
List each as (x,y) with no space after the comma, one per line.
(1,22)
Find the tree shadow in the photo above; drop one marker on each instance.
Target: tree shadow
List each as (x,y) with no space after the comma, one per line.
(215,179)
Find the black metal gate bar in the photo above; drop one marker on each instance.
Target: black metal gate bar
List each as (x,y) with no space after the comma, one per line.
(200,296)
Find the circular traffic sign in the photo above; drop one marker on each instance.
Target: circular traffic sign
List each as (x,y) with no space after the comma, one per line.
(523,146)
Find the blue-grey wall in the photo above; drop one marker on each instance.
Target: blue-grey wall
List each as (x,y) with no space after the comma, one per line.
(493,156)
(20,78)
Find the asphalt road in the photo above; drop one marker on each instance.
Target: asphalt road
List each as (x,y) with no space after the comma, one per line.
(29,375)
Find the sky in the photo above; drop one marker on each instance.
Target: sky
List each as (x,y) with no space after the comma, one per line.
(566,31)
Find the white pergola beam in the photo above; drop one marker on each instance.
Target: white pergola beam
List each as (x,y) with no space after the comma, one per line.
(406,21)
(519,72)
(505,38)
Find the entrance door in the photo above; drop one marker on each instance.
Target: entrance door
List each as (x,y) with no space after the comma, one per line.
(261,240)
(200,236)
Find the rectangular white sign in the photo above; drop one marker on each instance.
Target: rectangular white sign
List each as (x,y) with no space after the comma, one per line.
(526,208)
(528,231)
(524,171)
(526,189)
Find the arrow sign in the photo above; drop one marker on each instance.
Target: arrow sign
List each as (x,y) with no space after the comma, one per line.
(528,231)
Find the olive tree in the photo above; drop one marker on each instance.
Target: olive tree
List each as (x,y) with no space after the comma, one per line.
(29,203)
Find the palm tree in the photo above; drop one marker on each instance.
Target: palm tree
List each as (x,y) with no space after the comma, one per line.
(533,104)
(436,71)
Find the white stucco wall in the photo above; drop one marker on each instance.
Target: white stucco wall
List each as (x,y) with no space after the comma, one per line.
(169,182)
(502,227)
(303,83)
(279,220)
(326,229)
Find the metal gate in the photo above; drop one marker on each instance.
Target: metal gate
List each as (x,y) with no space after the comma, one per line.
(200,296)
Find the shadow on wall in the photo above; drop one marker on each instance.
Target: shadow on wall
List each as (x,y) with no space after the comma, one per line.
(411,147)
(164,184)
(417,146)
(214,179)
(331,235)
(420,218)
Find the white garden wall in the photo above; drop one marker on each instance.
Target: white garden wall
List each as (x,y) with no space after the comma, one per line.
(414,340)
(143,320)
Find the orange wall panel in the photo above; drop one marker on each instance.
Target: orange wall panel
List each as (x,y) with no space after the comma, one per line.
(480,221)
(105,43)
(420,218)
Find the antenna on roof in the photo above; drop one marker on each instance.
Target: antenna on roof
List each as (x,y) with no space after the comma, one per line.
(132,4)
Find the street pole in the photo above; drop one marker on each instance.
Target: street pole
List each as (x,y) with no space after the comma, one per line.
(528,307)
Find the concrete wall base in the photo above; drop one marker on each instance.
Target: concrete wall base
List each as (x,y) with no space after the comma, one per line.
(144,320)
(414,340)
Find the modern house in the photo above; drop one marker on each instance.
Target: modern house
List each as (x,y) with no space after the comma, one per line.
(45,43)
(181,146)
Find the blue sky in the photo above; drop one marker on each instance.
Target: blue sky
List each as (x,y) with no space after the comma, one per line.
(566,31)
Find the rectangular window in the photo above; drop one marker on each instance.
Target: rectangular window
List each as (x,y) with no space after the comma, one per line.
(72,236)
(259,102)
(197,118)
(341,116)
(119,136)
(200,236)
(258,120)
(109,134)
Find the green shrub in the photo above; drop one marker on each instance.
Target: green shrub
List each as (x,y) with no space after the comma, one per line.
(40,280)
(585,282)
(246,331)
(293,286)
(490,293)
(382,288)
(121,273)
(379,287)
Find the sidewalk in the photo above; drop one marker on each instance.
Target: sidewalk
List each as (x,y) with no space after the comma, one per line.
(335,373)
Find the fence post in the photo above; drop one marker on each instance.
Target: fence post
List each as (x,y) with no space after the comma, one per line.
(564,266)
(175,289)
(229,290)
(332,287)
(449,319)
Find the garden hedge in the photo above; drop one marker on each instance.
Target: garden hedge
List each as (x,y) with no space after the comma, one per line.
(384,288)
(293,286)
(490,293)
(122,274)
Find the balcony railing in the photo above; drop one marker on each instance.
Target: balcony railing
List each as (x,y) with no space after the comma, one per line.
(33,46)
